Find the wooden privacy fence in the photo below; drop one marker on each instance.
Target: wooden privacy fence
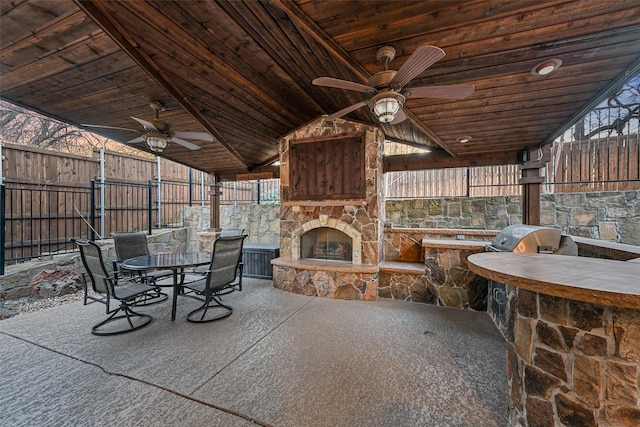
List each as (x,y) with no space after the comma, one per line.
(597,164)
(50,197)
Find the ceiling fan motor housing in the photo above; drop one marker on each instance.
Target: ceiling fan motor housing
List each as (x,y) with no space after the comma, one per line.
(161,126)
(382,79)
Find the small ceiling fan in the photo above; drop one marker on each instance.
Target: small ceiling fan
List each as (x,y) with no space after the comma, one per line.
(387,88)
(158,134)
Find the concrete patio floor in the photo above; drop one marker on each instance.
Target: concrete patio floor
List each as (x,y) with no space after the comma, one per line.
(279,360)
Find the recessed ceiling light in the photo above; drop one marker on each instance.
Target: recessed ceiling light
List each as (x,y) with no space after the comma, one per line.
(463,139)
(546,67)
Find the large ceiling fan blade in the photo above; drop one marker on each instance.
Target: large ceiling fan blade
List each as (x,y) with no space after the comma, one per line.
(346,110)
(400,117)
(440,91)
(201,136)
(420,60)
(342,84)
(185,144)
(147,125)
(136,140)
(84,125)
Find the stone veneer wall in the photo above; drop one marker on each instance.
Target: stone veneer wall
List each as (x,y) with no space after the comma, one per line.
(16,283)
(261,223)
(442,276)
(613,216)
(572,363)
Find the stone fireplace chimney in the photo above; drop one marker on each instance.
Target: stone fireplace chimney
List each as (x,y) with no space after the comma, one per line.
(331,177)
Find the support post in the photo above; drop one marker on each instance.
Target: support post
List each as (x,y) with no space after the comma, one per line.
(150,207)
(3,217)
(215,193)
(531,181)
(102,195)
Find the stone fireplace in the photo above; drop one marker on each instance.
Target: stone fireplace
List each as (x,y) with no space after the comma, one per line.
(328,244)
(330,220)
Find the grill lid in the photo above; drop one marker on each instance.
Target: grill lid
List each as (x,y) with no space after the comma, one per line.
(526,238)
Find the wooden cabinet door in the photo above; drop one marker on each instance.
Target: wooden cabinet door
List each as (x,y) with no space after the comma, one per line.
(327,169)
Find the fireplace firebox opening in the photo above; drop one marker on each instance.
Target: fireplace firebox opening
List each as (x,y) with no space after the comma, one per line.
(326,244)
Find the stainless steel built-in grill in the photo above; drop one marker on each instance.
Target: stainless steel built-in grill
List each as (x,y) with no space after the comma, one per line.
(523,238)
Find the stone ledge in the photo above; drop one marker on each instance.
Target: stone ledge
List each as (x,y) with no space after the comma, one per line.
(453,244)
(613,250)
(405,267)
(490,234)
(317,265)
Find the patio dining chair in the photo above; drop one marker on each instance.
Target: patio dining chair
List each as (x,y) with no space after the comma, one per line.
(127,292)
(222,276)
(203,269)
(134,244)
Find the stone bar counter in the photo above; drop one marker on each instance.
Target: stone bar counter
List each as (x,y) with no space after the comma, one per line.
(573,338)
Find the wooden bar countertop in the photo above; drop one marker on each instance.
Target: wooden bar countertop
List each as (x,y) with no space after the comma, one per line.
(593,280)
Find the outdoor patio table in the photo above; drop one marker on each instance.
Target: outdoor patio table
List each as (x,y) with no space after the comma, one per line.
(169,260)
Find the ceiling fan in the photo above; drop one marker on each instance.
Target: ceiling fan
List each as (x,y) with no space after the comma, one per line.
(387,88)
(158,134)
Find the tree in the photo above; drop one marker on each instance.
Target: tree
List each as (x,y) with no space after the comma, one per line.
(619,113)
(24,127)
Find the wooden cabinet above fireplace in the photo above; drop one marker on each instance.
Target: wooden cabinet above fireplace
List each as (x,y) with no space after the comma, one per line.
(331,167)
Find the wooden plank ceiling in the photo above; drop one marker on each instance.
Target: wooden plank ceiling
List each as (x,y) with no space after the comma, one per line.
(242,71)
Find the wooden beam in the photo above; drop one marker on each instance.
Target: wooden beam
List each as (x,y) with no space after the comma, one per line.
(439,159)
(428,131)
(120,36)
(304,23)
(251,176)
(409,143)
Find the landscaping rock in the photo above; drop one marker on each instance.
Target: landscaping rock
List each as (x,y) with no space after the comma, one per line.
(54,283)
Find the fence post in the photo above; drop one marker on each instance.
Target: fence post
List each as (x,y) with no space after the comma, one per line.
(190,187)
(3,195)
(149,206)
(201,188)
(468,181)
(92,211)
(258,192)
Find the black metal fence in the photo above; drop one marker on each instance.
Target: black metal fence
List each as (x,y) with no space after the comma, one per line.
(35,221)
(266,191)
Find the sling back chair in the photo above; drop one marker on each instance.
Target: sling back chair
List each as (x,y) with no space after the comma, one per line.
(134,244)
(126,292)
(221,277)
(229,232)
(203,269)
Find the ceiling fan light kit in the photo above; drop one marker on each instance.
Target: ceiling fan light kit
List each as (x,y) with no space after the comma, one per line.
(156,143)
(385,88)
(386,105)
